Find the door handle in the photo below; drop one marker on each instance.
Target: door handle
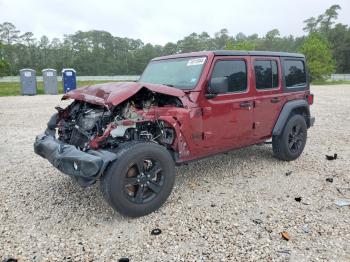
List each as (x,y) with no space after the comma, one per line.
(275,100)
(246,105)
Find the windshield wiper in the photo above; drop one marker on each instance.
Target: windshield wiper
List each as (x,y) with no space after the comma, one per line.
(170,85)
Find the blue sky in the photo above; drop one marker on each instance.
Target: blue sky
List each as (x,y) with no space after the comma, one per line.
(159,22)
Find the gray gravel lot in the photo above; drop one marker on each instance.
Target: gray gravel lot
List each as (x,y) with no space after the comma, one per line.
(229,207)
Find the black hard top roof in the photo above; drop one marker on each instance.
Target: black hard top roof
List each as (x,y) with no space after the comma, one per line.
(256,53)
(231,53)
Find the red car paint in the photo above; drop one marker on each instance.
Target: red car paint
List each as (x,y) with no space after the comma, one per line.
(111,94)
(205,126)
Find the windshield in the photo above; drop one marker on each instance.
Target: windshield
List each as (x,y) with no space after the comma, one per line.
(182,73)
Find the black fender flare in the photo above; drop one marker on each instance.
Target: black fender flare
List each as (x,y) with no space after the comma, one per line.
(285,113)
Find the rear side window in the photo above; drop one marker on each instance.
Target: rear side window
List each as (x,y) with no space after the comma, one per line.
(294,73)
(266,74)
(235,71)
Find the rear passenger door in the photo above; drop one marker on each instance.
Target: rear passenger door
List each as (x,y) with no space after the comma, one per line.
(268,94)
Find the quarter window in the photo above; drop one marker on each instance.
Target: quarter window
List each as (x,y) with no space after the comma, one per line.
(235,71)
(266,74)
(294,73)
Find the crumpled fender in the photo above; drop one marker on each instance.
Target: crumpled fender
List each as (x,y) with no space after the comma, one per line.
(176,118)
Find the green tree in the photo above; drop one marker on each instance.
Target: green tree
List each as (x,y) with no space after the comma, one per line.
(221,38)
(4,65)
(310,25)
(318,56)
(323,22)
(339,37)
(230,45)
(169,49)
(328,18)
(242,45)
(8,33)
(100,53)
(193,42)
(27,38)
(245,45)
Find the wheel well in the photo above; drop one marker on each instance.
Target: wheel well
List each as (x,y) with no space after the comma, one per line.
(301,111)
(125,146)
(291,108)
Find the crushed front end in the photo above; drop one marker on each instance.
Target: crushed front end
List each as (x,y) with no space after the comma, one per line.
(83,138)
(86,166)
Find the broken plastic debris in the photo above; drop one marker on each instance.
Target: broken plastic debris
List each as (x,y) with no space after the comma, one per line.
(298,199)
(306,229)
(288,173)
(257,221)
(329,179)
(285,235)
(287,251)
(332,157)
(342,202)
(156,232)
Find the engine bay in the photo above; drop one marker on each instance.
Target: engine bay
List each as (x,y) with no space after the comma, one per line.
(90,126)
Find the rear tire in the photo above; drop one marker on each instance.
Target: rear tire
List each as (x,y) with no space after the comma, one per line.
(140,180)
(290,143)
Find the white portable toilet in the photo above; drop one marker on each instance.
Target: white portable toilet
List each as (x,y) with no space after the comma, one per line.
(28,81)
(50,81)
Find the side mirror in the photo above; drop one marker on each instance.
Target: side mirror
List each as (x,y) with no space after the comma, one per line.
(217,85)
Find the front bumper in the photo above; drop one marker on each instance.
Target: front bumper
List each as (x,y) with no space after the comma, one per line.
(85,166)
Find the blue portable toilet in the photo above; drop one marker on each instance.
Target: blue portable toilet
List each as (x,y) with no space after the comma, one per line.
(69,79)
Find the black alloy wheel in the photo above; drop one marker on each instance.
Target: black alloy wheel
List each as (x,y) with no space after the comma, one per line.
(143,181)
(140,180)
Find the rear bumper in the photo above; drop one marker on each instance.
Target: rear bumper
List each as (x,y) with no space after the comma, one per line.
(311,121)
(85,166)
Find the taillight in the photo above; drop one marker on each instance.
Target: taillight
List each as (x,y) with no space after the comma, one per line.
(310,99)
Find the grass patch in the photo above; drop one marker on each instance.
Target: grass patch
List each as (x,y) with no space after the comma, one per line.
(14,88)
(334,82)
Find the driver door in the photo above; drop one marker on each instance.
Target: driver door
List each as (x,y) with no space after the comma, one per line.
(228,117)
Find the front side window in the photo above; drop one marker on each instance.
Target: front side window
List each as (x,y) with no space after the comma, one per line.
(294,73)
(182,73)
(235,71)
(266,74)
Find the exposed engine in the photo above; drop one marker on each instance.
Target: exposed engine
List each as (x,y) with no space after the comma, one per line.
(85,125)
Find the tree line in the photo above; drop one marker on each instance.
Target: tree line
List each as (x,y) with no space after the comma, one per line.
(326,45)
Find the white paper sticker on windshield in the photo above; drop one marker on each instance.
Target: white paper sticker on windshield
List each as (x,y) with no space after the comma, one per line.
(27,74)
(196,61)
(49,73)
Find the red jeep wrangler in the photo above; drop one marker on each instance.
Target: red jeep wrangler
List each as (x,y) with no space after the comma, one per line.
(184,107)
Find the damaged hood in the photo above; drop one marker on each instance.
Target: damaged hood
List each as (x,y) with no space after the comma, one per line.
(111,94)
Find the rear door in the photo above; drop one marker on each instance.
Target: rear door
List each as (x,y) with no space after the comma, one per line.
(269,97)
(228,117)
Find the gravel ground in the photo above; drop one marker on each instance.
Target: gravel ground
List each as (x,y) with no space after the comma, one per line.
(229,207)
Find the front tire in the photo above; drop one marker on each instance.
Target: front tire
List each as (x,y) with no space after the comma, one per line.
(140,180)
(290,143)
